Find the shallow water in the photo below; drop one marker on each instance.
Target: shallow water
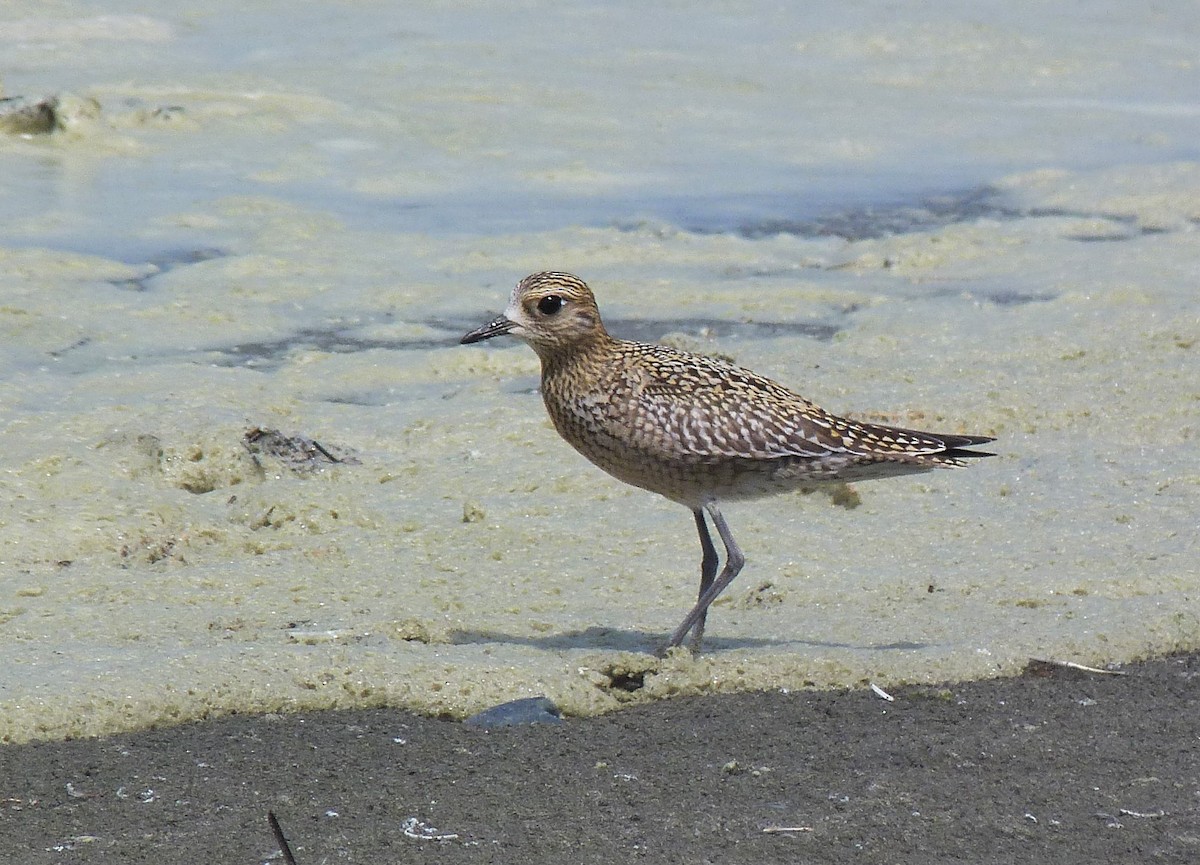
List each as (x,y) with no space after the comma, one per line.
(284,218)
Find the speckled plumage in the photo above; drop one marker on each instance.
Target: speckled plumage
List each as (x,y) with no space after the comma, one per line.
(692,428)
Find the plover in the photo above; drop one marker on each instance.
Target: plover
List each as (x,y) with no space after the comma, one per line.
(695,429)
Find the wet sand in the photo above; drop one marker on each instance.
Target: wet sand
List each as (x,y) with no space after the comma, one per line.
(1055,765)
(285,218)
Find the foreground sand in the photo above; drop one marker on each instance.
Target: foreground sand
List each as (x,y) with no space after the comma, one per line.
(1053,766)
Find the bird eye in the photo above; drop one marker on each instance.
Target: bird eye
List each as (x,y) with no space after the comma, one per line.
(550,304)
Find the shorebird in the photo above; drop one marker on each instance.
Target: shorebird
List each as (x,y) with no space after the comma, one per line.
(692,428)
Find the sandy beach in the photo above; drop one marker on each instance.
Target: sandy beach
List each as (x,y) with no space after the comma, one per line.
(237,224)
(228,225)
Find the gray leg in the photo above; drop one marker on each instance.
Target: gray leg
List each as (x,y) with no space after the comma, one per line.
(734,560)
(708,571)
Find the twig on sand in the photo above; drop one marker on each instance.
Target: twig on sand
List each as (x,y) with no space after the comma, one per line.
(1071,665)
(1145,815)
(881,694)
(280,839)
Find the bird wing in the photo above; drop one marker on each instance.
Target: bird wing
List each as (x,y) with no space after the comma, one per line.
(695,407)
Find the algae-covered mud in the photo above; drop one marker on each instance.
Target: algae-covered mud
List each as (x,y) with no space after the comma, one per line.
(247,466)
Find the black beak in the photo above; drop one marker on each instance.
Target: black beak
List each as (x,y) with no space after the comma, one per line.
(497,327)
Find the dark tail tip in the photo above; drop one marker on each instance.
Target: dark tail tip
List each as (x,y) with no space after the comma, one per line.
(957,446)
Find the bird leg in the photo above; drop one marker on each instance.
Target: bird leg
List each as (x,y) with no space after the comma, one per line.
(708,571)
(710,588)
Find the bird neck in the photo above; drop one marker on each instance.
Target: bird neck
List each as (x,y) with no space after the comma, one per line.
(583,350)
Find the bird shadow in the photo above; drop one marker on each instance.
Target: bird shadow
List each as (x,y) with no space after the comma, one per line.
(650,642)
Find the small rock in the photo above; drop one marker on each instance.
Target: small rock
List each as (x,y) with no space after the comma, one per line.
(517,713)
